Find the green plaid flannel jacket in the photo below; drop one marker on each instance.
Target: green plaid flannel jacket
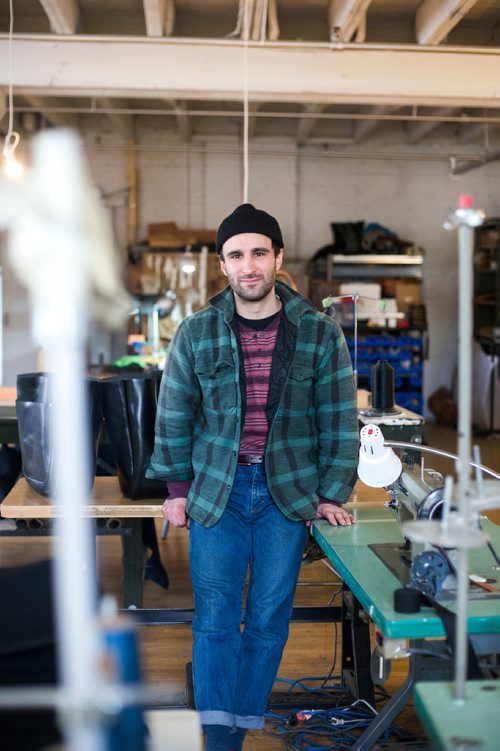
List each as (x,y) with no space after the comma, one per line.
(312,447)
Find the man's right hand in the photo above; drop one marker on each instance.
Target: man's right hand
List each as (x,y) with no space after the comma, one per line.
(174,511)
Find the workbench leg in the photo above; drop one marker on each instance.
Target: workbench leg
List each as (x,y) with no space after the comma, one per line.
(133,563)
(392,708)
(356,650)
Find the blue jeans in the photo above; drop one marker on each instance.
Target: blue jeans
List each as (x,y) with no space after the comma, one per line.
(233,669)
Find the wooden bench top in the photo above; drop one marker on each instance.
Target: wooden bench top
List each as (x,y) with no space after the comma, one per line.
(107,500)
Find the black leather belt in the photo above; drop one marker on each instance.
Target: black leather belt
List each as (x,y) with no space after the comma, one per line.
(250,459)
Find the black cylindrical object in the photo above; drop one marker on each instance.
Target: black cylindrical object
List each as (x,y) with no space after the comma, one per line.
(407,600)
(382,383)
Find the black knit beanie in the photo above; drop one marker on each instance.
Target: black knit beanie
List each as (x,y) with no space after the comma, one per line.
(246,218)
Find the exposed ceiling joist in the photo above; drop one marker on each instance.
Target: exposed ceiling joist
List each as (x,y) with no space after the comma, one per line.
(436,18)
(305,126)
(124,124)
(258,19)
(57,119)
(182,117)
(261,19)
(159,16)
(169,18)
(273,26)
(345,17)
(364,128)
(415,132)
(90,66)
(477,132)
(361,30)
(62,14)
(183,121)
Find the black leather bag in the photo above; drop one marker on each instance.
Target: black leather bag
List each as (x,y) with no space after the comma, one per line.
(129,405)
(33,410)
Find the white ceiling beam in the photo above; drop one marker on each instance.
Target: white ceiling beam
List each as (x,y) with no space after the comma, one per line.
(436,18)
(159,16)
(416,132)
(305,125)
(57,119)
(62,14)
(92,66)
(123,124)
(345,17)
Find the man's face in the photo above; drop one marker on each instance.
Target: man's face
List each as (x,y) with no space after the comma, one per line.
(249,263)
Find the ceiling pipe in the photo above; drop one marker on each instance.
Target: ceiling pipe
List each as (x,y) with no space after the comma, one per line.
(345,17)
(273,26)
(63,15)
(436,18)
(369,115)
(461,169)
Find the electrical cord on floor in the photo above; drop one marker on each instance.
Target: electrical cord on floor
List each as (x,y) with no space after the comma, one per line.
(321,730)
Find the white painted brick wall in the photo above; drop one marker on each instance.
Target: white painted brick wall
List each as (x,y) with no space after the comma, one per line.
(198,184)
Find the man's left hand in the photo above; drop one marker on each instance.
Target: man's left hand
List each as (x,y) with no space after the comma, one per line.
(334,514)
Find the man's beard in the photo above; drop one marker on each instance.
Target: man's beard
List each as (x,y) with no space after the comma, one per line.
(253,292)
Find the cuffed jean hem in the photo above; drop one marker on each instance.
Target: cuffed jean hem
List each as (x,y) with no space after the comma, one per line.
(217,717)
(252,722)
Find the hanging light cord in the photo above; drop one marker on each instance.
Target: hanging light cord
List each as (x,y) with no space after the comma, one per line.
(245,103)
(12,138)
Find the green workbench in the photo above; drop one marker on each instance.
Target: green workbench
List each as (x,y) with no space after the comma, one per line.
(369,588)
(373,584)
(451,724)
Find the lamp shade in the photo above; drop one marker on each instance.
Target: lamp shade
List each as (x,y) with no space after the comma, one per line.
(378,464)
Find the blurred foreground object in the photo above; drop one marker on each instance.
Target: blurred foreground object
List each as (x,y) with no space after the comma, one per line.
(54,202)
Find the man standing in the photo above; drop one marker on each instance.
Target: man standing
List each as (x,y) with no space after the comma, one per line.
(256,435)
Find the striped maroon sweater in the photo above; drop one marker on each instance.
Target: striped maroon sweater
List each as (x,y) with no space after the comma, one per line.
(258,339)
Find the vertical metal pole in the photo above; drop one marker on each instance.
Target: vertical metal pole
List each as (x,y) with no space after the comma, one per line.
(465,252)
(60,326)
(355,311)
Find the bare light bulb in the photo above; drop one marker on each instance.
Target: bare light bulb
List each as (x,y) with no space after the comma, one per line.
(188,263)
(13,169)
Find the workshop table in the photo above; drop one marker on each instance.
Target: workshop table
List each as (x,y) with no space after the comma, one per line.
(451,724)
(8,417)
(107,502)
(371,584)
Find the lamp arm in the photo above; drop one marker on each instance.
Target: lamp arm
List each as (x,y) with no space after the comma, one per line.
(439,452)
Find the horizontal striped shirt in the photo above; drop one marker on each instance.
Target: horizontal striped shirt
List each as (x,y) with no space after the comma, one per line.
(257,346)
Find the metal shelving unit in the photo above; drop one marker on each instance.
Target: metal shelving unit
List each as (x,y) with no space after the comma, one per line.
(405,348)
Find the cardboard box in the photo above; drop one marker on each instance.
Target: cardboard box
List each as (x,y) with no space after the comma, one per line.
(168,235)
(408,293)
